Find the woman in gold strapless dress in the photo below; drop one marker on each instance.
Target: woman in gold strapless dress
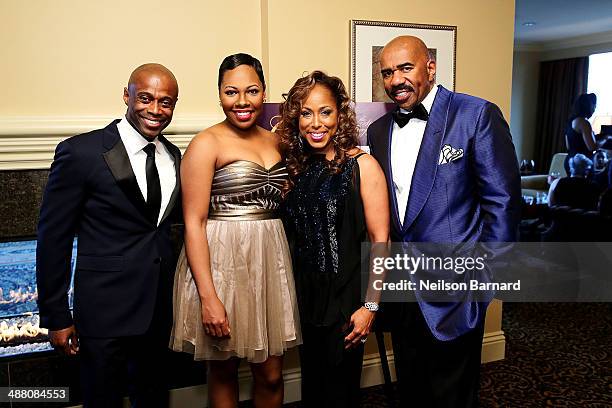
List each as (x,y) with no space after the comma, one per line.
(234,294)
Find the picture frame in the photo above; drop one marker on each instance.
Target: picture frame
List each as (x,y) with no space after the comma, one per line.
(369,37)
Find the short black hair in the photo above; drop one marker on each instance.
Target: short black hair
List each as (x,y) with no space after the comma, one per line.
(232,61)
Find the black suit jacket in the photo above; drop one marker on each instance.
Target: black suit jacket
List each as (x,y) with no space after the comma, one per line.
(124,262)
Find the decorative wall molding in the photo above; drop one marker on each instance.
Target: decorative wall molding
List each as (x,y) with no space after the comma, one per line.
(531,47)
(580,41)
(197,396)
(29,142)
(493,347)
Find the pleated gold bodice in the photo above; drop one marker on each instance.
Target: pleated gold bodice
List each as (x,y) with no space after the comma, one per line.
(245,190)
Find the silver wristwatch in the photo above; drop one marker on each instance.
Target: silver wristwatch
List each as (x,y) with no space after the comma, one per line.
(371,306)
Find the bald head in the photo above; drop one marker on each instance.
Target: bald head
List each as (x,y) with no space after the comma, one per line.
(152,69)
(150,97)
(415,44)
(408,72)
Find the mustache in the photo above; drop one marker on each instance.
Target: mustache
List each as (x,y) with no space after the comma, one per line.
(402,87)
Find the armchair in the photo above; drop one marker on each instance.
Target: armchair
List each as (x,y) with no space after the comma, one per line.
(531,185)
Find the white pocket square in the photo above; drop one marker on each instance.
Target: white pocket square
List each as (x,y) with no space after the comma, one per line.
(448,154)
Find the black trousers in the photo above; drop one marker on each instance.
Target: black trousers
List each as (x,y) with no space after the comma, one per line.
(114,367)
(330,375)
(133,365)
(433,373)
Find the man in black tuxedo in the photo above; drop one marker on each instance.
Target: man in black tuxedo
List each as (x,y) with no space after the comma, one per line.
(114,188)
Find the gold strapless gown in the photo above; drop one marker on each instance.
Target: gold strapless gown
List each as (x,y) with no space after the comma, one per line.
(251,270)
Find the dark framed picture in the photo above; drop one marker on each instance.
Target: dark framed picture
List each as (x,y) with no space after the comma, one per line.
(369,37)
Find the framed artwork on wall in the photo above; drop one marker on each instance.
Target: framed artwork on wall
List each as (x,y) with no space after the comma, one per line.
(369,37)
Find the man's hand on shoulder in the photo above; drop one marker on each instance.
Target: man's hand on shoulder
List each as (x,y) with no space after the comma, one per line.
(65,340)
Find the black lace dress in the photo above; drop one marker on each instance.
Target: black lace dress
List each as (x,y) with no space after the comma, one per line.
(325,223)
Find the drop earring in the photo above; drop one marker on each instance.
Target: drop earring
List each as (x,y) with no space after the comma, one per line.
(300,142)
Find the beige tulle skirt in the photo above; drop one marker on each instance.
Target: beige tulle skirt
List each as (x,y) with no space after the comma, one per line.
(252,275)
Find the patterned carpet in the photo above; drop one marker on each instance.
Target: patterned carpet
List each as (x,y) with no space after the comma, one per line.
(557,355)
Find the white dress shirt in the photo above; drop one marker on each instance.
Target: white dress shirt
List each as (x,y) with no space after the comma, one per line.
(134,142)
(405,145)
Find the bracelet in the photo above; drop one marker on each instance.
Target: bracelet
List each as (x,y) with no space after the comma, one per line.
(371,306)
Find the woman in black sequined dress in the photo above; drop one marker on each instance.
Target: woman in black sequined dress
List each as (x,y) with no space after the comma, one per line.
(336,200)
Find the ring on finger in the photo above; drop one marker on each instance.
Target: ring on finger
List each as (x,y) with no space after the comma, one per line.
(363,339)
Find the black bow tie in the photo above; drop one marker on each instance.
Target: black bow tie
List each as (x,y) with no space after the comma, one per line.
(418,112)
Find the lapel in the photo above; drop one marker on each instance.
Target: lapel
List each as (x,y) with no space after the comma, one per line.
(427,161)
(385,148)
(118,162)
(176,156)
